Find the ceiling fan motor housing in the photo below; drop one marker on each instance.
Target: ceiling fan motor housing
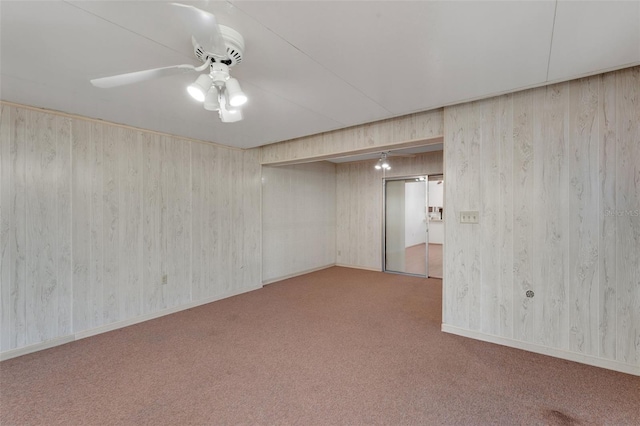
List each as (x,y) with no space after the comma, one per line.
(234,43)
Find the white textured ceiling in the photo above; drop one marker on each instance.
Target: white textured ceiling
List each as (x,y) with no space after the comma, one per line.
(309,66)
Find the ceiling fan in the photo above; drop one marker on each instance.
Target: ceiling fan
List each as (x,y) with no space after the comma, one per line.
(219,48)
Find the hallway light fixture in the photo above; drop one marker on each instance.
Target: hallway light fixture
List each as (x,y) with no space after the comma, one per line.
(383,163)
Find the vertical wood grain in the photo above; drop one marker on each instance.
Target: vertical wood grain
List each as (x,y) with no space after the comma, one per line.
(456,275)
(81,228)
(372,228)
(64,224)
(252,206)
(237,220)
(41,174)
(627,214)
(13,227)
(153,234)
(490,297)
(111,225)
(472,194)
(583,213)
(506,217)
(20,286)
(197,290)
(6,224)
(222,222)
(181,223)
(342,214)
(130,238)
(96,266)
(607,222)
(523,206)
(550,225)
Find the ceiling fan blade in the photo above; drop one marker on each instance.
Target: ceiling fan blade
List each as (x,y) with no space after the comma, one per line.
(137,76)
(204,28)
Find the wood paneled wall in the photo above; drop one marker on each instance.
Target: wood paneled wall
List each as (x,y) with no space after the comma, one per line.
(380,134)
(555,175)
(101,224)
(359,206)
(299,219)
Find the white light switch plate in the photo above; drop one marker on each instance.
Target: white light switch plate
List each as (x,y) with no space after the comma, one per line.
(469,217)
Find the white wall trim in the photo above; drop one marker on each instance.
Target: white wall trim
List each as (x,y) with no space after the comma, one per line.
(297,274)
(532,347)
(13,353)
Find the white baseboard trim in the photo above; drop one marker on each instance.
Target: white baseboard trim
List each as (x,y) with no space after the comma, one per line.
(365,268)
(297,274)
(532,347)
(12,353)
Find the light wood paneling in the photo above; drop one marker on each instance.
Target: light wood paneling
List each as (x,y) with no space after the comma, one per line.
(550,220)
(456,302)
(505,218)
(45,181)
(64,225)
(564,226)
(94,171)
(299,218)
(418,126)
(154,222)
(523,212)
(13,288)
(93,217)
(583,215)
(491,306)
(608,231)
(359,206)
(84,298)
(7,247)
(627,215)
(252,223)
(111,225)
(129,288)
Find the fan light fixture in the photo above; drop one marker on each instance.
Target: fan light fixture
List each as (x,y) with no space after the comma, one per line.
(200,87)
(229,114)
(383,163)
(219,92)
(212,101)
(236,96)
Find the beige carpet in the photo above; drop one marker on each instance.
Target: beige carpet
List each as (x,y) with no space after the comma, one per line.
(336,347)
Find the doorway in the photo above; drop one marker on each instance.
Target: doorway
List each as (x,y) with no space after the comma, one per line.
(412,212)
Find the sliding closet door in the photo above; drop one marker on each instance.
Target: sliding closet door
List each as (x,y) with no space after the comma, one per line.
(405,230)
(394,226)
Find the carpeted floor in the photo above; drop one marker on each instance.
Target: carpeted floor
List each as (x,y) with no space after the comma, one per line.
(339,346)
